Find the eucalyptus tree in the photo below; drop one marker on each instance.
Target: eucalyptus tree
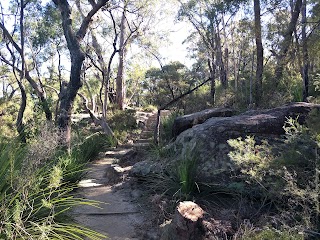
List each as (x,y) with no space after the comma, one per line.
(136,21)
(259,51)
(17,53)
(74,38)
(165,84)
(210,21)
(281,55)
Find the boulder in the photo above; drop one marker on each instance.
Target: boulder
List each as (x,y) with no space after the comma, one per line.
(144,168)
(188,121)
(210,138)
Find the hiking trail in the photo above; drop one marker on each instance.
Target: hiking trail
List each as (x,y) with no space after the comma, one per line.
(106,180)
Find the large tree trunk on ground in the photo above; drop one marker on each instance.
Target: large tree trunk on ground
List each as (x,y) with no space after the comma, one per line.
(259,69)
(211,137)
(185,122)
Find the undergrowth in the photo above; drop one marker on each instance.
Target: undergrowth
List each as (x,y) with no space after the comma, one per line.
(37,183)
(178,180)
(286,175)
(167,125)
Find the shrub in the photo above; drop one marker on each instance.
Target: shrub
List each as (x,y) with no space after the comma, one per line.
(178,179)
(149,108)
(166,126)
(287,174)
(123,120)
(34,206)
(269,233)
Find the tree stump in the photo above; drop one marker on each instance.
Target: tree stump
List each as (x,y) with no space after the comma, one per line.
(186,223)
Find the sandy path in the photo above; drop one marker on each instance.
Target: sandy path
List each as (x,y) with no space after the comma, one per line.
(119,215)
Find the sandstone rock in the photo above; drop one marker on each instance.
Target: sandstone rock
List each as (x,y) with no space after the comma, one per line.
(188,121)
(210,138)
(114,173)
(144,168)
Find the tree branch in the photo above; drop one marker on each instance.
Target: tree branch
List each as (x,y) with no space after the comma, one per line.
(86,21)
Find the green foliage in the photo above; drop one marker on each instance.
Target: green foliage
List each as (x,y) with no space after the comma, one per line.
(316,82)
(166,126)
(313,122)
(81,153)
(186,173)
(159,152)
(163,85)
(272,234)
(178,180)
(89,148)
(149,108)
(251,158)
(286,173)
(34,206)
(123,120)
(7,117)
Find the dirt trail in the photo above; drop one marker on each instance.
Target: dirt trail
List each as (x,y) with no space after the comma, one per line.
(106,181)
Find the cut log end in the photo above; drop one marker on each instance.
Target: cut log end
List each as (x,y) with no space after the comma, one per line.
(190,211)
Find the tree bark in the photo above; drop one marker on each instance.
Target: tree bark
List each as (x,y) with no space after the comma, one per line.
(120,81)
(69,92)
(259,52)
(212,71)
(219,59)
(19,123)
(286,42)
(186,223)
(306,64)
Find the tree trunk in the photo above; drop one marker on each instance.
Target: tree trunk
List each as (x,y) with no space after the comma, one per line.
(212,71)
(286,42)
(69,92)
(219,60)
(259,52)
(120,81)
(19,122)
(186,223)
(305,69)
(24,71)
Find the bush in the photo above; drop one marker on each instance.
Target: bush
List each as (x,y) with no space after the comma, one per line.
(150,108)
(123,120)
(270,233)
(166,126)
(178,179)
(287,174)
(34,206)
